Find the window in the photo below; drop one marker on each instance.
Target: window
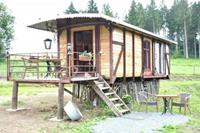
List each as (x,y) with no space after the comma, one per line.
(146,48)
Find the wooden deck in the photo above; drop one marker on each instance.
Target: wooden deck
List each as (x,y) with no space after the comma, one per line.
(56,81)
(44,81)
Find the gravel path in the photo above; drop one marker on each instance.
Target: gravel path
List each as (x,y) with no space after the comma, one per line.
(139,122)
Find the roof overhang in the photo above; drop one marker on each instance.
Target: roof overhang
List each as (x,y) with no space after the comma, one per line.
(51,25)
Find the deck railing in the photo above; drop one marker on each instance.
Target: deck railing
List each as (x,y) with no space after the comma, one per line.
(35,66)
(83,65)
(41,66)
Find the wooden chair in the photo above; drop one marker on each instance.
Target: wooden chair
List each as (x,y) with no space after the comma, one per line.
(30,66)
(184,102)
(147,99)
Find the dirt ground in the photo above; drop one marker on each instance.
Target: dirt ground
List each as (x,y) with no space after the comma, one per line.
(40,108)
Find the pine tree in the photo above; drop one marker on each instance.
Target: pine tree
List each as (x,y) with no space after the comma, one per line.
(107,10)
(153,18)
(71,9)
(136,15)
(92,7)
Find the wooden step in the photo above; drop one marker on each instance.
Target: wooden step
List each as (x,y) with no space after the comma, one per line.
(109,93)
(114,99)
(124,111)
(118,104)
(85,72)
(99,82)
(104,88)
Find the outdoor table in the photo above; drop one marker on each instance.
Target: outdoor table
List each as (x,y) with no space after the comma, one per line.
(55,62)
(166,99)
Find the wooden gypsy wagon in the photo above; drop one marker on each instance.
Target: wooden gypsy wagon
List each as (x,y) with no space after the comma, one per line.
(98,54)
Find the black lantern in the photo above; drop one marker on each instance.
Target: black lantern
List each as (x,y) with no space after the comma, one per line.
(47,43)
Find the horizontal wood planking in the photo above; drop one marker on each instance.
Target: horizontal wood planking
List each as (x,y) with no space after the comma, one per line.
(129,54)
(105,58)
(63,43)
(138,55)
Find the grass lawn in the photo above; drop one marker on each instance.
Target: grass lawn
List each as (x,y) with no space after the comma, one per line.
(3,67)
(192,87)
(185,66)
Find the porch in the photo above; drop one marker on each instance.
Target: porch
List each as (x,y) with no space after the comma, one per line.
(49,67)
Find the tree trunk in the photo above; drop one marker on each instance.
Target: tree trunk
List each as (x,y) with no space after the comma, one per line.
(177,43)
(195,49)
(154,31)
(185,40)
(199,48)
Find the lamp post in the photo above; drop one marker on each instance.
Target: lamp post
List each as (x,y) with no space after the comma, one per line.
(47,43)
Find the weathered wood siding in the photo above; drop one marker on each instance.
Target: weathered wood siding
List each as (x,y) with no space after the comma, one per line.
(129,54)
(63,45)
(118,52)
(161,57)
(167,59)
(105,49)
(138,55)
(157,58)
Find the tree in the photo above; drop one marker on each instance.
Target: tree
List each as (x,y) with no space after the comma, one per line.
(194,27)
(92,7)
(177,23)
(136,15)
(153,18)
(71,9)
(6,28)
(107,10)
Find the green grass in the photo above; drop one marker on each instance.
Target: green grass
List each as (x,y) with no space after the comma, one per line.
(185,66)
(176,87)
(3,67)
(25,89)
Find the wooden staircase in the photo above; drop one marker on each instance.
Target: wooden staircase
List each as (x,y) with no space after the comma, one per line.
(103,89)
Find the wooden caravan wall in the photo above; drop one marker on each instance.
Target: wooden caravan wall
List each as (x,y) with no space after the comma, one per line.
(138,55)
(161,57)
(118,52)
(167,60)
(63,43)
(105,49)
(129,54)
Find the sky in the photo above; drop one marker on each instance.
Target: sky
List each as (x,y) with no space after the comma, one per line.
(27,12)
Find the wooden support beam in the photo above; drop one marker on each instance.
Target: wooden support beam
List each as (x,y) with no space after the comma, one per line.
(153,57)
(15,95)
(124,55)
(111,52)
(60,101)
(142,48)
(97,48)
(133,54)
